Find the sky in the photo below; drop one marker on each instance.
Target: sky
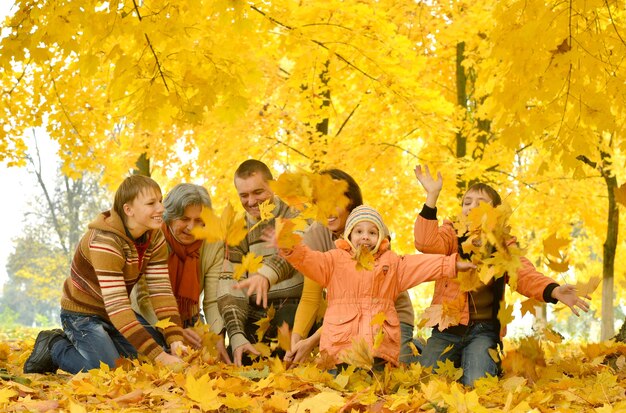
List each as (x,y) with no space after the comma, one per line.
(20,187)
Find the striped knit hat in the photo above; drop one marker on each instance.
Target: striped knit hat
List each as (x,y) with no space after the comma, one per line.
(369,214)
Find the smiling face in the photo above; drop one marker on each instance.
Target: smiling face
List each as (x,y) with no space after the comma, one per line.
(337,223)
(181,227)
(144,213)
(253,191)
(474,198)
(364,233)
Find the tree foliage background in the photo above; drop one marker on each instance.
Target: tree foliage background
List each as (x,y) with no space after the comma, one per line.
(525,95)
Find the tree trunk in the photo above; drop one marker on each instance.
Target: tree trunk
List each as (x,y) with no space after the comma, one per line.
(608,263)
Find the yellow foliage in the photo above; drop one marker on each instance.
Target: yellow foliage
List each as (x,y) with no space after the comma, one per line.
(229,228)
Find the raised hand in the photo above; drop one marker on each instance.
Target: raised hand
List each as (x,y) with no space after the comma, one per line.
(431,185)
(567,295)
(255,284)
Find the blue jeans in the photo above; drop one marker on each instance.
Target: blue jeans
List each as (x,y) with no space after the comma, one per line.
(469,351)
(406,337)
(90,340)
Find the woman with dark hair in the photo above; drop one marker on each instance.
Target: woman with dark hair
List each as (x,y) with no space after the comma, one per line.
(322,238)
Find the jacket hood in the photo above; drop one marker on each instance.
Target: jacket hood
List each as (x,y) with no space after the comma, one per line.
(110,221)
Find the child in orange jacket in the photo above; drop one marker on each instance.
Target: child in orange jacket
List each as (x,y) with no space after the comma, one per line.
(356,296)
(467,343)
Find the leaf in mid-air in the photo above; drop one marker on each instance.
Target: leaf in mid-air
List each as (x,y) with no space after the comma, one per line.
(364,259)
(230,227)
(250,263)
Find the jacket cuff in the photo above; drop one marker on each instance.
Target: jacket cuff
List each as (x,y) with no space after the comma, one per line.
(428,212)
(547,293)
(268,273)
(237,340)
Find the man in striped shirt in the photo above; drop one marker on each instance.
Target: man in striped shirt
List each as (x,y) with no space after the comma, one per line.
(121,246)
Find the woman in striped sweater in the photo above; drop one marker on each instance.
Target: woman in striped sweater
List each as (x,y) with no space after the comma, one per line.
(120,246)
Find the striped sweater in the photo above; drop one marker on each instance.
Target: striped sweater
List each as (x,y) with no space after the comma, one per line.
(104,270)
(234,306)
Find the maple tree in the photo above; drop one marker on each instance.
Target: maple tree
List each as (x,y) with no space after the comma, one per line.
(524,95)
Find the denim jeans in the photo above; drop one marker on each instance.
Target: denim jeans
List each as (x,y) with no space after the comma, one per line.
(470,351)
(406,337)
(90,340)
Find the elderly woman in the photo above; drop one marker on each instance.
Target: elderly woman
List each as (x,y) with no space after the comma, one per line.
(194,265)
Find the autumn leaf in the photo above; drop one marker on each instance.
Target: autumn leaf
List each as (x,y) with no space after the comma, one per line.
(264,323)
(447,349)
(293,188)
(469,280)
(530,306)
(284,336)
(164,323)
(230,227)
(584,289)
(444,315)
(378,339)
(552,335)
(620,194)
(286,238)
(552,245)
(505,314)
(266,209)
(6,394)
(462,401)
(250,263)
(202,391)
(364,259)
(446,368)
(558,266)
(320,403)
(263,349)
(494,354)
(359,355)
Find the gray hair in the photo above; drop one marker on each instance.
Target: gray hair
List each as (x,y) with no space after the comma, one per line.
(182,196)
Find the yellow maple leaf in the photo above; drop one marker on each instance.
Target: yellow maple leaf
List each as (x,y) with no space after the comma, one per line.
(264,323)
(558,266)
(263,349)
(320,403)
(620,194)
(378,319)
(359,355)
(444,315)
(446,368)
(202,391)
(239,402)
(294,188)
(505,314)
(494,354)
(552,335)
(75,407)
(469,280)
(364,259)
(285,236)
(164,323)
(552,245)
(276,403)
(447,349)
(6,394)
(584,289)
(230,227)
(530,306)
(284,336)
(250,263)
(266,210)
(328,196)
(462,401)
(378,338)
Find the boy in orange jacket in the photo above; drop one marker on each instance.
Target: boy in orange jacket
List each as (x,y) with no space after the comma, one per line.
(467,343)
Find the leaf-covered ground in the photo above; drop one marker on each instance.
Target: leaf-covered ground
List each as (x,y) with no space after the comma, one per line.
(541,377)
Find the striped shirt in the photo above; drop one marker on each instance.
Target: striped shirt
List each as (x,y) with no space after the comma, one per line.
(104,270)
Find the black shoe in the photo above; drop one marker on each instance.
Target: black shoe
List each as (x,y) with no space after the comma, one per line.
(40,360)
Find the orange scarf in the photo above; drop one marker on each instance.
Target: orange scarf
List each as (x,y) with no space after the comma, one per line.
(183,264)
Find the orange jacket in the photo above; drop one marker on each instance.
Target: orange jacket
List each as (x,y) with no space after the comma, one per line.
(434,239)
(355,297)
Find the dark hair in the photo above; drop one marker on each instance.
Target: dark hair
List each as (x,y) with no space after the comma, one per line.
(353,193)
(182,196)
(129,189)
(491,193)
(252,166)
